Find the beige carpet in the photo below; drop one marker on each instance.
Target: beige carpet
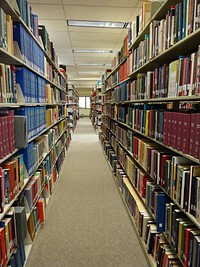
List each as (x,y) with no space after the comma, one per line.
(86,221)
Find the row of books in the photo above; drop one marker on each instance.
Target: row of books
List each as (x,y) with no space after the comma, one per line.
(31,53)
(184,236)
(8,235)
(179,78)
(8,140)
(35,218)
(29,18)
(32,86)
(179,130)
(35,151)
(144,221)
(48,45)
(8,92)
(181,233)
(177,175)
(36,119)
(181,20)
(6,32)
(142,19)
(33,190)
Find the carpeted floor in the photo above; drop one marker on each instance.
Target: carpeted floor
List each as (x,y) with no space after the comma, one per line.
(86,221)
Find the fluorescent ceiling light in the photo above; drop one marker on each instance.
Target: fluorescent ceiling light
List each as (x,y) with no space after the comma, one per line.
(93,51)
(88,72)
(97,24)
(84,79)
(93,64)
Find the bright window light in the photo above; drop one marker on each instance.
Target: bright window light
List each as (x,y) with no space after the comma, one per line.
(97,24)
(84,102)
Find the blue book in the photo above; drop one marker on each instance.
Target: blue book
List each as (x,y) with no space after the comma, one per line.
(180,20)
(22,252)
(18,35)
(21,80)
(161,201)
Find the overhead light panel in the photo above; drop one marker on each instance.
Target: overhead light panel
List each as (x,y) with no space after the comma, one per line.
(94,51)
(97,24)
(92,64)
(84,79)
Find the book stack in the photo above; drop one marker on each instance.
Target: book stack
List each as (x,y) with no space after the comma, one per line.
(6,32)
(31,53)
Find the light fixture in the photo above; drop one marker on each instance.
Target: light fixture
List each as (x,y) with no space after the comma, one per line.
(88,72)
(97,24)
(94,51)
(92,64)
(84,79)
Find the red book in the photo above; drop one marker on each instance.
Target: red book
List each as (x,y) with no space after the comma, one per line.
(192,134)
(41,210)
(169,128)
(175,127)
(3,247)
(197,136)
(165,127)
(186,252)
(14,176)
(3,134)
(186,133)
(179,131)
(12,130)
(135,153)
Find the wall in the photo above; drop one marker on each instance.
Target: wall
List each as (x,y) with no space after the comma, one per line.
(84,111)
(84,92)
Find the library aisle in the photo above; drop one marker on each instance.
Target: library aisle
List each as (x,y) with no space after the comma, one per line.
(87,224)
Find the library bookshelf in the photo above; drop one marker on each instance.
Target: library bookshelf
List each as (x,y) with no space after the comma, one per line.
(34,128)
(151,129)
(73,107)
(96,106)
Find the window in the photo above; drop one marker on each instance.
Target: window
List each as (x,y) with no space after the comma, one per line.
(84,102)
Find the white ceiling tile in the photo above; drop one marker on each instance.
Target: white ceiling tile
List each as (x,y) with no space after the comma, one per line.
(48,11)
(112,3)
(38,2)
(54,25)
(94,37)
(85,44)
(64,49)
(98,13)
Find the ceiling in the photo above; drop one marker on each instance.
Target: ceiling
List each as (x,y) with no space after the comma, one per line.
(54,13)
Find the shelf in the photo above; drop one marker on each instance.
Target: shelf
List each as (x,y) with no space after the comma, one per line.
(9,59)
(8,206)
(30,140)
(191,217)
(6,6)
(154,140)
(117,67)
(160,14)
(148,257)
(35,202)
(16,17)
(188,44)
(160,100)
